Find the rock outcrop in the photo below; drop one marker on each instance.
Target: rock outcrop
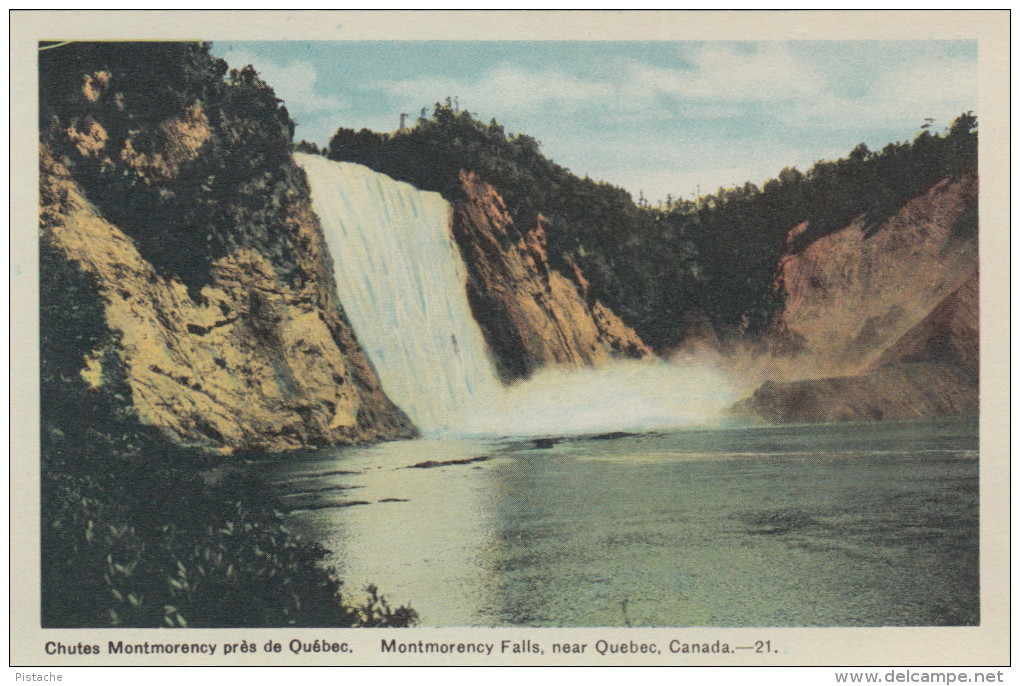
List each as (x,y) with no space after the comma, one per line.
(850,295)
(880,323)
(903,391)
(253,363)
(530,314)
(949,335)
(170,187)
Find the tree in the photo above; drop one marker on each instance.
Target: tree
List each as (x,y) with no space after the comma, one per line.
(860,153)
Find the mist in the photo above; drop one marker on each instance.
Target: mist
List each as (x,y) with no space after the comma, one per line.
(628,395)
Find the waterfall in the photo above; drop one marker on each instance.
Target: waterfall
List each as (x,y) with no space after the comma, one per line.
(402,282)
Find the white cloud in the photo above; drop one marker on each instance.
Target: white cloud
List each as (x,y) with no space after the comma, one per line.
(901,95)
(630,91)
(633,122)
(770,73)
(637,137)
(505,87)
(294,83)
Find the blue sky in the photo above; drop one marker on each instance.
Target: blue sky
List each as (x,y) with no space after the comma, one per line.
(657,117)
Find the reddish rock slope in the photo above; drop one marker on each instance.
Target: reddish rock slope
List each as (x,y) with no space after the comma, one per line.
(531,315)
(852,294)
(880,324)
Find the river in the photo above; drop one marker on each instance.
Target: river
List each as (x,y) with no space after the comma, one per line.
(825,525)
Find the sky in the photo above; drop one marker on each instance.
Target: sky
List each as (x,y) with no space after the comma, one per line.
(656,118)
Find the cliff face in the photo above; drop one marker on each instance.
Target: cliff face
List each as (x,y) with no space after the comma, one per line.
(253,363)
(883,323)
(530,314)
(223,324)
(849,296)
(909,391)
(949,335)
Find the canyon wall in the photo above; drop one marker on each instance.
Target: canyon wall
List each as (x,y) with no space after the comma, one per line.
(879,321)
(529,313)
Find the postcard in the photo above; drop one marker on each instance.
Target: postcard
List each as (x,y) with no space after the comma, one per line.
(510,338)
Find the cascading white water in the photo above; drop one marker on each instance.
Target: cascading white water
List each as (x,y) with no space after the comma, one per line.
(402,283)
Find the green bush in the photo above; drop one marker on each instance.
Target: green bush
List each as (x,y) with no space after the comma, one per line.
(138,539)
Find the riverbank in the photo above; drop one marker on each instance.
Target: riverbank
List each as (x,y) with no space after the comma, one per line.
(132,536)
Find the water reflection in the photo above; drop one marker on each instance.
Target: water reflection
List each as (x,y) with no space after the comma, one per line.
(800,526)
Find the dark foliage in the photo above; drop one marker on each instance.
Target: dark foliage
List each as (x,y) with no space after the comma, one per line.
(652,265)
(131,535)
(227,197)
(740,232)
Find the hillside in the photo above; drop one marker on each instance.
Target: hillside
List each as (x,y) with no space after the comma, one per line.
(850,295)
(187,307)
(930,371)
(816,275)
(658,268)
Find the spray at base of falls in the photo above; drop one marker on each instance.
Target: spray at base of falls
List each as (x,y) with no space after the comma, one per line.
(624,395)
(402,282)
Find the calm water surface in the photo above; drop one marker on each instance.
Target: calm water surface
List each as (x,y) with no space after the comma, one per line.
(848,525)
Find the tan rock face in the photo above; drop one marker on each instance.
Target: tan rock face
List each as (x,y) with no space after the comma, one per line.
(904,391)
(884,324)
(252,363)
(88,136)
(949,335)
(179,139)
(531,315)
(852,294)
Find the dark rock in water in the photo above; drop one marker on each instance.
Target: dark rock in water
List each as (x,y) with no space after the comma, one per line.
(611,435)
(546,443)
(314,491)
(333,472)
(329,505)
(394,500)
(430,464)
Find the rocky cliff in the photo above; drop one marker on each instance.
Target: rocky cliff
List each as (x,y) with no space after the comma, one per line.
(253,363)
(223,327)
(880,321)
(949,335)
(848,296)
(530,314)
